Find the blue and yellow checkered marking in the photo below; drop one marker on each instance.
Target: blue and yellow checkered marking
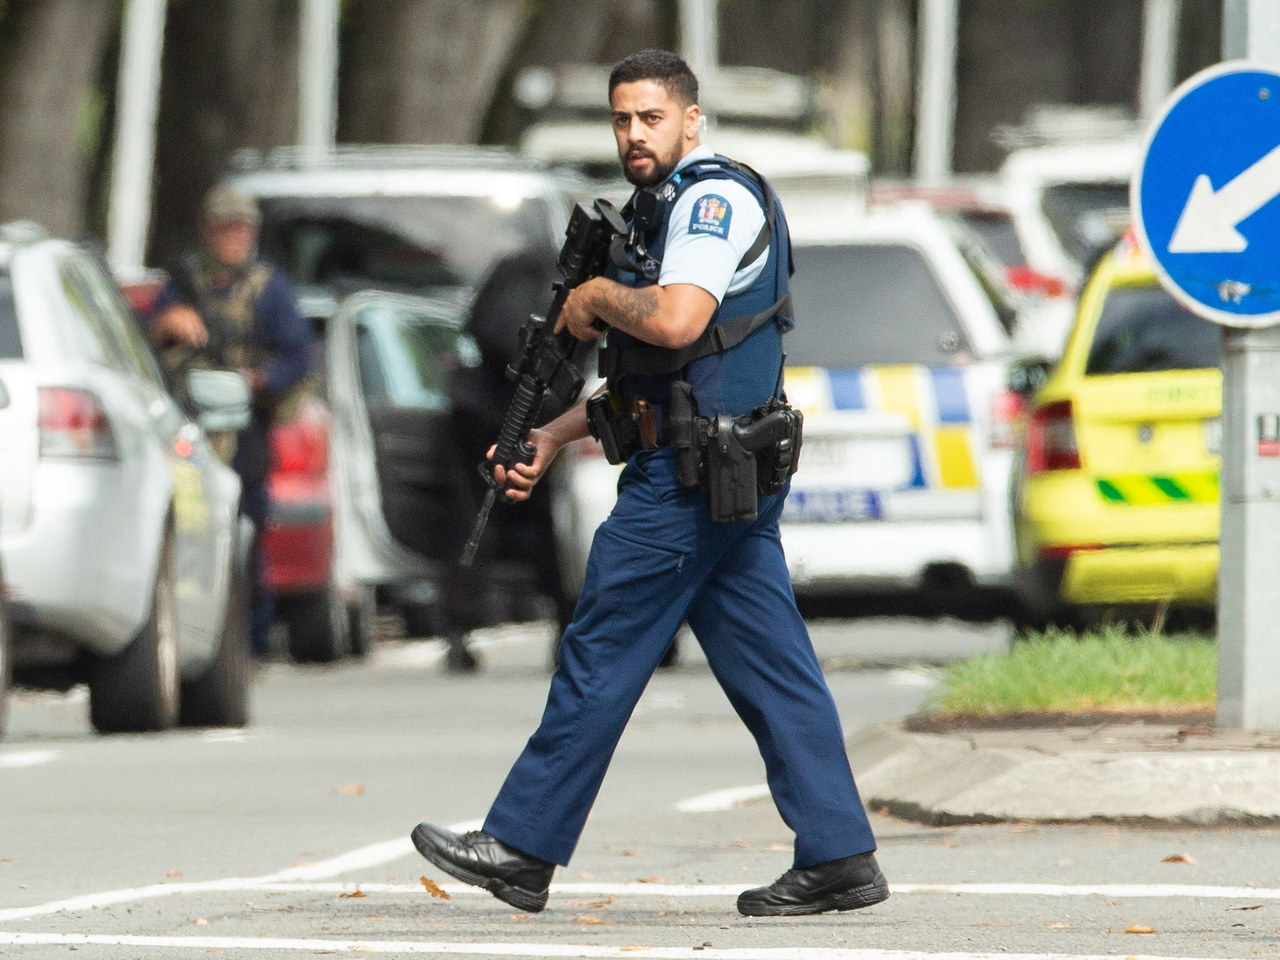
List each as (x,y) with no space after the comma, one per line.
(934,401)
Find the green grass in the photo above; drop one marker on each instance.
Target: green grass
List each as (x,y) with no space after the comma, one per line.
(1107,670)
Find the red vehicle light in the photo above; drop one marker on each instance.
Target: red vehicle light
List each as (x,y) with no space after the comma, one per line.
(1008,410)
(1051,439)
(1063,551)
(1029,281)
(301,446)
(73,424)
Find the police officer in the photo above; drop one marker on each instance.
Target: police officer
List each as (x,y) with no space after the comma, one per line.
(705,276)
(227,307)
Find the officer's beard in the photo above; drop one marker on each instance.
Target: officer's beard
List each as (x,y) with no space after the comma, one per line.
(662,167)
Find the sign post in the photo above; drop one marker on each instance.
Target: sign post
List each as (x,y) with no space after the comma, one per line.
(1206,203)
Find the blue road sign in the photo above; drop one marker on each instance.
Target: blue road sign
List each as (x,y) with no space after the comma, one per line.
(1206,195)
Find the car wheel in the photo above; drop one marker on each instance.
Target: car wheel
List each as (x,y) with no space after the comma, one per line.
(316,624)
(220,698)
(362,617)
(6,664)
(137,689)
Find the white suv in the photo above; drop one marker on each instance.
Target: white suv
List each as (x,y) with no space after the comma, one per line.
(421,220)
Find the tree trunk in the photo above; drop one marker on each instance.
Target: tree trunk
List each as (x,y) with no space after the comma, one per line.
(50,55)
(229,82)
(424,72)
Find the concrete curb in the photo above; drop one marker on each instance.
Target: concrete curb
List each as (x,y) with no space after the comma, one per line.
(957,777)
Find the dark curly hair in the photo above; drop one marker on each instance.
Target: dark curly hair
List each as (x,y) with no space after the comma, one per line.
(661,66)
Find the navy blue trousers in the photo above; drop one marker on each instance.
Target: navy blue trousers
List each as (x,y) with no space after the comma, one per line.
(657,561)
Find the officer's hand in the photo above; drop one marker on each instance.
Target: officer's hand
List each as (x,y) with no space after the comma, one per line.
(519,481)
(578,317)
(180,324)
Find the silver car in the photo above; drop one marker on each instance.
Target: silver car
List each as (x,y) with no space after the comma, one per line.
(120,532)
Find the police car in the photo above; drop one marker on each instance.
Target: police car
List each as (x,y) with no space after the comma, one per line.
(900,361)
(1116,494)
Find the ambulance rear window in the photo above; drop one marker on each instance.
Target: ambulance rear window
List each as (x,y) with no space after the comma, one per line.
(1143,329)
(859,304)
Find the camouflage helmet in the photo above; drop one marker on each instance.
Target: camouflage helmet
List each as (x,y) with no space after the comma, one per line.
(226,204)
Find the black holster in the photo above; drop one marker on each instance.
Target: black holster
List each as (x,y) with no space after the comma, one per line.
(613,426)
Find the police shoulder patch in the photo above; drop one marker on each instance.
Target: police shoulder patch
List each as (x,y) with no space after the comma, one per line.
(711,214)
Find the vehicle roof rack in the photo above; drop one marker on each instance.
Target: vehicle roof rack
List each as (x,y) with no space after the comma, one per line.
(362,156)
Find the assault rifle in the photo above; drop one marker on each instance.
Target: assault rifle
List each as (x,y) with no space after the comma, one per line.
(546,362)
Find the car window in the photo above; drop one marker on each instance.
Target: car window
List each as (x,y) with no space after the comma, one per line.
(10,336)
(998,233)
(861,304)
(1087,216)
(95,341)
(989,273)
(120,324)
(406,243)
(1144,329)
(405,357)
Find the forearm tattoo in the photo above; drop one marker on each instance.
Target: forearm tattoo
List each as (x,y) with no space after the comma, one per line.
(630,309)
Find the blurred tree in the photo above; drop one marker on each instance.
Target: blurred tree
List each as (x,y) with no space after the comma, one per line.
(50,107)
(575,31)
(229,81)
(424,71)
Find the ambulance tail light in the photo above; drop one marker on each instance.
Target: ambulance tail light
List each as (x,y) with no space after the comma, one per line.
(1064,551)
(1051,439)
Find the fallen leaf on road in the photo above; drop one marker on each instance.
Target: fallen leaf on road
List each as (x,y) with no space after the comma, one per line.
(603,903)
(628,853)
(1137,928)
(1256,906)
(629,949)
(350,790)
(1059,926)
(174,873)
(433,888)
(587,919)
(650,880)
(1179,858)
(354,894)
(201,922)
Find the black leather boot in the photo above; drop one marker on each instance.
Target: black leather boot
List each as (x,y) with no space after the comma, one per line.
(485,861)
(845,884)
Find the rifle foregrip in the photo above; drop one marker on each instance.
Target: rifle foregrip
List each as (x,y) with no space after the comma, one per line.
(513,446)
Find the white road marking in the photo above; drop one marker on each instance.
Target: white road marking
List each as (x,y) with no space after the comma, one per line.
(546,950)
(28,758)
(719,800)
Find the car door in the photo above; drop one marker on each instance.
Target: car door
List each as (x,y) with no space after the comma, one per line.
(202,509)
(389,358)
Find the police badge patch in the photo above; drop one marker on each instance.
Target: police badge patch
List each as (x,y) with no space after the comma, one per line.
(711,214)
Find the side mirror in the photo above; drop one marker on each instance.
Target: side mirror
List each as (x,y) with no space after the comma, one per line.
(221,399)
(1029,375)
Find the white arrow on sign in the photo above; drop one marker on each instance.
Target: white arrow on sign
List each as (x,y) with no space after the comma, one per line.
(1208,221)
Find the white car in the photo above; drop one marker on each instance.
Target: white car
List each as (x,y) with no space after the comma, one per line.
(899,361)
(120,533)
(1068,203)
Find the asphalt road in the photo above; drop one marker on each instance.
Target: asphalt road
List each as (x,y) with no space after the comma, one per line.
(289,838)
